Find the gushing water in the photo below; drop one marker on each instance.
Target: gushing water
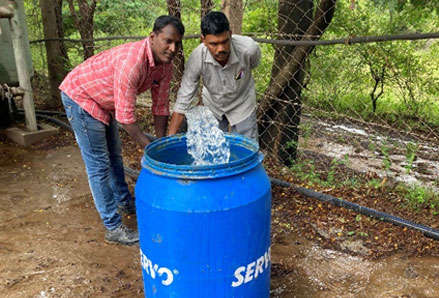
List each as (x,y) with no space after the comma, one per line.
(205,141)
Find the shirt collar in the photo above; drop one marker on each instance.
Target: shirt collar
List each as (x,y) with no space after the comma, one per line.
(149,54)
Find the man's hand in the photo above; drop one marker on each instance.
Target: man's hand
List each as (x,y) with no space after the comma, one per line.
(176,121)
(136,133)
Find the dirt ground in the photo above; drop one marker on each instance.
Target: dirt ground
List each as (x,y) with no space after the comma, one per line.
(51,238)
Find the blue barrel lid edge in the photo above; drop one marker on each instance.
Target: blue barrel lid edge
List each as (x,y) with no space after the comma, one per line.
(206,171)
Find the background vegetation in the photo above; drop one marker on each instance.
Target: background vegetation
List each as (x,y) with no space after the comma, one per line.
(393,85)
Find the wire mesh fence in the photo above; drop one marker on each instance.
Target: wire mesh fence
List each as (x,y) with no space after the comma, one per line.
(332,106)
(345,113)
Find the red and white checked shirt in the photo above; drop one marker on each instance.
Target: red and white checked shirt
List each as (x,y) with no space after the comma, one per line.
(109,82)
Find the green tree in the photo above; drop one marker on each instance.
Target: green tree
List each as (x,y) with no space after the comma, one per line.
(120,17)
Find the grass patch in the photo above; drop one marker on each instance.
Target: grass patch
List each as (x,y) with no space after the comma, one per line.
(419,197)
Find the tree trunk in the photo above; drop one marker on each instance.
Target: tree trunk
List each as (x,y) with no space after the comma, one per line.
(84,23)
(206,7)
(56,52)
(174,9)
(233,9)
(281,108)
(294,17)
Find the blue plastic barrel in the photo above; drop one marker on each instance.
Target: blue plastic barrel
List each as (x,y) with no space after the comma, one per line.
(204,230)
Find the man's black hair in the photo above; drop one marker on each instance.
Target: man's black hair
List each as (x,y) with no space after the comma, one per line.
(163,21)
(215,22)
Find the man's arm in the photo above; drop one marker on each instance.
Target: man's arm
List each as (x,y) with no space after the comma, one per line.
(176,121)
(188,89)
(160,125)
(253,55)
(136,133)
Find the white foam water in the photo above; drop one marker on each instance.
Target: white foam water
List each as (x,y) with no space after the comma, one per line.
(205,141)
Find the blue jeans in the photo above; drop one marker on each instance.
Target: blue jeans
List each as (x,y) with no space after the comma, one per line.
(101,151)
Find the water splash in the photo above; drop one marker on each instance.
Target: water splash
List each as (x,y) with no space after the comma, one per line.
(205,141)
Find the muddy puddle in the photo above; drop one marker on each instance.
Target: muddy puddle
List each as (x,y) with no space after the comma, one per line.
(301,269)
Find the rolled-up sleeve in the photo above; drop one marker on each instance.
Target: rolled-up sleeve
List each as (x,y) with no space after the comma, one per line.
(190,82)
(125,75)
(160,93)
(253,55)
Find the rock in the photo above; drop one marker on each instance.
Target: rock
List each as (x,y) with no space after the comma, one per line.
(355,246)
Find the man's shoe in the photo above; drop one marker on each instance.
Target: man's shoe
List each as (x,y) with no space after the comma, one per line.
(127,209)
(122,235)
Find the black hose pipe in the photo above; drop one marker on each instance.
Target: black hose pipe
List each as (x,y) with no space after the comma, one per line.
(49,118)
(46,112)
(54,120)
(430,232)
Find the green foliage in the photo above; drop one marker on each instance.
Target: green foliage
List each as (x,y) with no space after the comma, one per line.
(260,17)
(371,145)
(306,171)
(420,197)
(330,180)
(410,155)
(116,17)
(305,129)
(352,182)
(385,152)
(262,73)
(342,78)
(375,183)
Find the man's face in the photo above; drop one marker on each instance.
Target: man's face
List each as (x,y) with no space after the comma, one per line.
(165,44)
(218,45)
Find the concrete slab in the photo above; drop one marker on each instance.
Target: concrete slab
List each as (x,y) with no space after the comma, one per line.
(26,137)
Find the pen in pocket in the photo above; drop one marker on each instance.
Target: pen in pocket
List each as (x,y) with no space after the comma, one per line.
(239,75)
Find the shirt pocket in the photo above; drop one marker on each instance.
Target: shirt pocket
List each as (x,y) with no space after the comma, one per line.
(238,81)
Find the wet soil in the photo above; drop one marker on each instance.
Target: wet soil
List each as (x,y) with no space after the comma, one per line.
(51,238)
(399,156)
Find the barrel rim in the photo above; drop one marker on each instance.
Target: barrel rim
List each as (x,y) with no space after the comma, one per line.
(202,171)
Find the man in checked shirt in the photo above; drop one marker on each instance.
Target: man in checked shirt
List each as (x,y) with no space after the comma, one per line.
(100,93)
